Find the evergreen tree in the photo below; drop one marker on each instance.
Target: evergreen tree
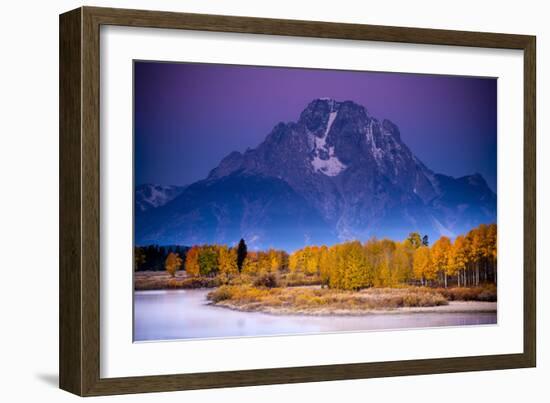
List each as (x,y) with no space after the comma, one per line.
(241,254)
(140,258)
(425,241)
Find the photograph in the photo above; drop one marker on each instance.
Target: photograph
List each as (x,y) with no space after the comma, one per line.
(275,201)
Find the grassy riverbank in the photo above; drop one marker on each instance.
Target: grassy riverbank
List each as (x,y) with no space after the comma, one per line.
(291,294)
(161,280)
(323,301)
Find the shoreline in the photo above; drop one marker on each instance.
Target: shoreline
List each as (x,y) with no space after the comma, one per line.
(451,307)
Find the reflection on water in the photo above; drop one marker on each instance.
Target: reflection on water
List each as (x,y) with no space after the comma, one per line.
(182,314)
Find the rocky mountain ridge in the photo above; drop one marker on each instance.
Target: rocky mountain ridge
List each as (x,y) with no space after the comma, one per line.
(338,172)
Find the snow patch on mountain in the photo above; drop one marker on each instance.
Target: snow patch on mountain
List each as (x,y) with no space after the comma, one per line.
(324,160)
(377,152)
(330,167)
(331,118)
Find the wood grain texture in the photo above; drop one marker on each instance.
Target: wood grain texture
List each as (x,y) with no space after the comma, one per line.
(90,202)
(80,200)
(316,29)
(530,202)
(70,271)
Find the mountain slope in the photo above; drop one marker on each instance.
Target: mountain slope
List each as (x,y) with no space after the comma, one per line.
(150,196)
(350,172)
(265,211)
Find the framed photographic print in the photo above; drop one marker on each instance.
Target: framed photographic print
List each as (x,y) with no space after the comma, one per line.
(249,201)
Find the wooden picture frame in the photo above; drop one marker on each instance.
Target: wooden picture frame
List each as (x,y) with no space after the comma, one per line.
(79,347)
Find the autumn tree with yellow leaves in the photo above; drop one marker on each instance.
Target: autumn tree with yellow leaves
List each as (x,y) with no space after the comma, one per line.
(458,260)
(468,260)
(440,257)
(227,260)
(422,265)
(173,263)
(192,267)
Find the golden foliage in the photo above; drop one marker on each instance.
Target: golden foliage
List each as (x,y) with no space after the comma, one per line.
(192,266)
(316,300)
(469,260)
(173,263)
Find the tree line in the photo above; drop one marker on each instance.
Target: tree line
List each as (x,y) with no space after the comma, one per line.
(153,257)
(209,260)
(468,260)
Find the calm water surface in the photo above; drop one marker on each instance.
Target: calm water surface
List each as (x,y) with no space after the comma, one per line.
(182,314)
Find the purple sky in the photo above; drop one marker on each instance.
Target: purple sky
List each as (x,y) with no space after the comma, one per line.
(189,116)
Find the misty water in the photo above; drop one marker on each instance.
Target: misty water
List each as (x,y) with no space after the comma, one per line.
(183,314)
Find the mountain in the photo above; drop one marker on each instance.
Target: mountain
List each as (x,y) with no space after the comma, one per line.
(150,196)
(257,208)
(335,174)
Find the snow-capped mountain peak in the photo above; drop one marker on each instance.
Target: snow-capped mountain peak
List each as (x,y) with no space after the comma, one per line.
(336,173)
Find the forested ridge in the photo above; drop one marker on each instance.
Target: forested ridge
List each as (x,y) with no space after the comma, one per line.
(467,261)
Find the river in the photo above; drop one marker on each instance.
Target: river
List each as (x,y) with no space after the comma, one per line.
(183,314)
